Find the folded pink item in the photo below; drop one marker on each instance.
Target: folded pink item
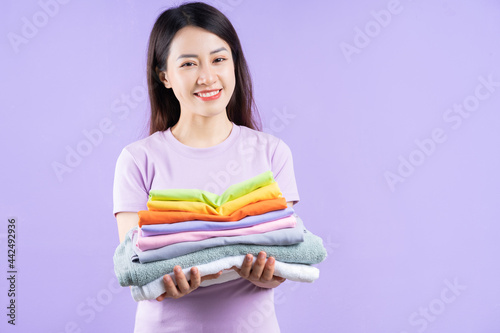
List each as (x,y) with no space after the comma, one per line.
(155,242)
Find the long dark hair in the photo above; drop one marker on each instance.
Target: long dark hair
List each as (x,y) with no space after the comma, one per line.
(165,108)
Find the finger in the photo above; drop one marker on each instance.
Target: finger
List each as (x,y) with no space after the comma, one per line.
(195,278)
(258,266)
(279,279)
(246,266)
(182,282)
(211,276)
(171,289)
(267,274)
(161,297)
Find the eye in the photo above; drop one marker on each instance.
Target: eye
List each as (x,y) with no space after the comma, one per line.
(187,63)
(222,59)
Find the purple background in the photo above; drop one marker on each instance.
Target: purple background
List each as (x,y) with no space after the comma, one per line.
(350,117)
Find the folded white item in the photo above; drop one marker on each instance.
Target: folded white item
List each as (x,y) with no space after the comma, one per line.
(293,272)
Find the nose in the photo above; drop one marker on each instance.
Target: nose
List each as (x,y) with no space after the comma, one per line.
(207,75)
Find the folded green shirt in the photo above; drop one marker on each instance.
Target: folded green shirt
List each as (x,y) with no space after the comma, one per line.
(232,192)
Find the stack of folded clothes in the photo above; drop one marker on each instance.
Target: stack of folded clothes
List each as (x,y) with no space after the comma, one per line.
(191,227)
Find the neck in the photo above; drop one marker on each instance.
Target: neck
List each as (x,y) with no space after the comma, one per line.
(202,132)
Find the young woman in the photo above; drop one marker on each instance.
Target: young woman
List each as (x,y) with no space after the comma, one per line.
(203,136)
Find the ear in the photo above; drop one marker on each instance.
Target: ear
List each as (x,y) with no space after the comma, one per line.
(163,78)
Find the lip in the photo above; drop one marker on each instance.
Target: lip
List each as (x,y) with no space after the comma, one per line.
(211,97)
(206,91)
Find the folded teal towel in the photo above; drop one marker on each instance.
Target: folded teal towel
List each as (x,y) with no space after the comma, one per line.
(310,251)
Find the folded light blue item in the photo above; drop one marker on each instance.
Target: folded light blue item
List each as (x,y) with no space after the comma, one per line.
(293,272)
(310,251)
(197,225)
(287,236)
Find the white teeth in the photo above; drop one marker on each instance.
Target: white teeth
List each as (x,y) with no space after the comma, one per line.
(208,94)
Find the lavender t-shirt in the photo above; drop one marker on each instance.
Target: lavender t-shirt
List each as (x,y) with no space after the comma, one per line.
(160,161)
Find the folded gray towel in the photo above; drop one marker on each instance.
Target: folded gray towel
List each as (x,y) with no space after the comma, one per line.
(310,251)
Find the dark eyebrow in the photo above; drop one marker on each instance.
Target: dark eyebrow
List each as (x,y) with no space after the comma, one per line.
(196,56)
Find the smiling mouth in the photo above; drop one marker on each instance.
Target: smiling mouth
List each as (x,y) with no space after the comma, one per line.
(209,94)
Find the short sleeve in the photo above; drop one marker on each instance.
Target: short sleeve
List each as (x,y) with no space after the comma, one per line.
(129,190)
(282,168)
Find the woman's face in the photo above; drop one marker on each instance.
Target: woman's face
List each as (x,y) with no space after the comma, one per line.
(199,65)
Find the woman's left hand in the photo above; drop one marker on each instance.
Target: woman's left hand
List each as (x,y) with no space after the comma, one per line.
(261,273)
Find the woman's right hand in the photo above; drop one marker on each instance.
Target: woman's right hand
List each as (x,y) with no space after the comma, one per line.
(183,287)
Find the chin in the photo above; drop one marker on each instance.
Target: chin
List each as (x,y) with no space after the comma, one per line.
(210,113)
